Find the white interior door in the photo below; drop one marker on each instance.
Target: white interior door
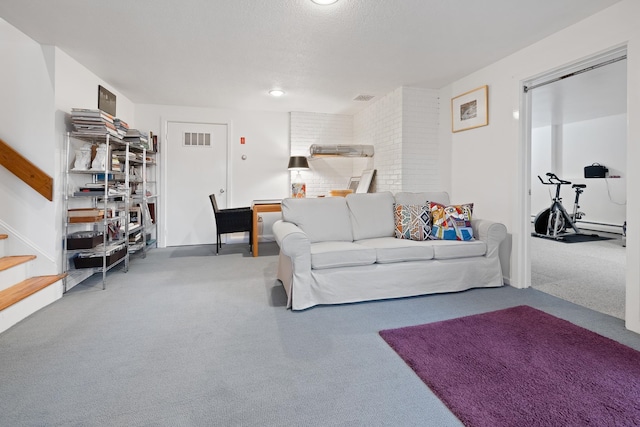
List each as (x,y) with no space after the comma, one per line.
(196,166)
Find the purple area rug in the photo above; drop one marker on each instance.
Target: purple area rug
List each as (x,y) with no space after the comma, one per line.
(523,367)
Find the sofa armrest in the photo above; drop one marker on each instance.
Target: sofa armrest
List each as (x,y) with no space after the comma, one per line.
(490,232)
(291,239)
(294,266)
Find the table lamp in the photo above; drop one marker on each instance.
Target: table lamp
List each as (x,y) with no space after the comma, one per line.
(298,188)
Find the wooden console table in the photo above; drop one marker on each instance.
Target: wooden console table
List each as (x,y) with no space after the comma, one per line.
(259,206)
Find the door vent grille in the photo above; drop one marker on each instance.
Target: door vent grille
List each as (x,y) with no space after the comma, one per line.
(197,139)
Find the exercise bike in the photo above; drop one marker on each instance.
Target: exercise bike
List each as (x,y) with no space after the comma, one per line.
(554,221)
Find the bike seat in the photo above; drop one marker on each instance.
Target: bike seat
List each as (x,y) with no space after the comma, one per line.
(579,186)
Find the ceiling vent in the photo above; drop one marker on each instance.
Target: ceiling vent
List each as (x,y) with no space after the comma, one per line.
(364,98)
(317,150)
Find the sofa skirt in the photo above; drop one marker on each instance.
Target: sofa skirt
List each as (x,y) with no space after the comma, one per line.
(386,281)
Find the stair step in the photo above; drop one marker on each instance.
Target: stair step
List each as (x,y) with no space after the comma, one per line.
(14,269)
(11,261)
(26,288)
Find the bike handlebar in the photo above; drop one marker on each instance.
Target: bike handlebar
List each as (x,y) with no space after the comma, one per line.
(551,178)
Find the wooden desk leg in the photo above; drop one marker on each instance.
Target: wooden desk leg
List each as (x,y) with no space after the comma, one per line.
(254,233)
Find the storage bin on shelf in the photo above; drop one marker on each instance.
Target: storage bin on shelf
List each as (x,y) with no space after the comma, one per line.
(93,260)
(84,239)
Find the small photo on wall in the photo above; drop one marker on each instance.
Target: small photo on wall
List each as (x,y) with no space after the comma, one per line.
(470,110)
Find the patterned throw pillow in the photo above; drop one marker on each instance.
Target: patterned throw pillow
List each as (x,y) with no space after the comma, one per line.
(451,222)
(413,222)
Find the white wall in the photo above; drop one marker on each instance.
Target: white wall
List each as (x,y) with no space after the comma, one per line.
(488,162)
(76,87)
(40,85)
(329,173)
(263,175)
(542,153)
(27,125)
(380,125)
(420,146)
(601,140)
(404,128)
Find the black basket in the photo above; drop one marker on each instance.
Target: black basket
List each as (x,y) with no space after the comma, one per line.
(596,170)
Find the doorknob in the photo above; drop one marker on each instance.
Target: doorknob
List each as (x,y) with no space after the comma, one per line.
(221,191)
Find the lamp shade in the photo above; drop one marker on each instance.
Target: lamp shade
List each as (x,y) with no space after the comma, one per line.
(298,163)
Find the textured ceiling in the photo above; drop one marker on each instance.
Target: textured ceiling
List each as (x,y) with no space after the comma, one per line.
(229,53)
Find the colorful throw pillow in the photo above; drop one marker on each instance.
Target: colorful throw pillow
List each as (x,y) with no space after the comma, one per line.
(413,222)
(452,222)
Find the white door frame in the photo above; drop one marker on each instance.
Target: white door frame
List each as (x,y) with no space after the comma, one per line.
(162,231)
(522,221)
(522,243)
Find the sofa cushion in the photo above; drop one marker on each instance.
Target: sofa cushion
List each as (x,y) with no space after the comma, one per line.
(419,198)
(322,218)
(340,254)
(412,222)
(371,214)
(451,222)
(390,249)
(450,249)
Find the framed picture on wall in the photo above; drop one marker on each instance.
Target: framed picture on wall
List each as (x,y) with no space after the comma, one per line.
(469,110)
(106,101)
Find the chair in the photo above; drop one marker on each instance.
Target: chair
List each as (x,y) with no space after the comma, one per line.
(231,221)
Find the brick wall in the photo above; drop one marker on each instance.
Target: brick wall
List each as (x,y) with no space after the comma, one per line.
(326,173)
(420,152)
(381,125)
(403,128)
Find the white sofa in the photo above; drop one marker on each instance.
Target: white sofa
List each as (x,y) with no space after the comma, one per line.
(337,250)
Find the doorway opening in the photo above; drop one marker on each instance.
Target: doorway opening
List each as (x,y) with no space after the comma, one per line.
(576,117)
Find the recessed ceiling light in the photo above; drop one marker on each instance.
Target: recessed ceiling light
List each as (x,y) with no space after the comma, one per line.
(276,92)
(324,1)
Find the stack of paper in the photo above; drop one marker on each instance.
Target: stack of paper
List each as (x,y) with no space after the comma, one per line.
(121,126)
(134,136)
(93,122)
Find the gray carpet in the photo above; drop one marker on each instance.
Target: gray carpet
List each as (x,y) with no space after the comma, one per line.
(187,338)
(591,273)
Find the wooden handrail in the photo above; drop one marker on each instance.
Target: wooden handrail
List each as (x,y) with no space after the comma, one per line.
(26,171)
